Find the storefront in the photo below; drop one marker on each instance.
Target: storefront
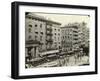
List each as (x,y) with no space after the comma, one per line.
(31,49)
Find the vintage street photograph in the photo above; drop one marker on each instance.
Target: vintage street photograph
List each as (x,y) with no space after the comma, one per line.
(56,40)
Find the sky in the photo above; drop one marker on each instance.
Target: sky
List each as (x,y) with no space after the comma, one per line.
(64,19)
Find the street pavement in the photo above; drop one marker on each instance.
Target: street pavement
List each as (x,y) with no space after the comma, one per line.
(70,61)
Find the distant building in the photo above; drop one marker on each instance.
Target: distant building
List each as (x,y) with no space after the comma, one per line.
(74,36)
(70,37)
(84,34)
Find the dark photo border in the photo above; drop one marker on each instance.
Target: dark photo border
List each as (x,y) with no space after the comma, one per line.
(15,39)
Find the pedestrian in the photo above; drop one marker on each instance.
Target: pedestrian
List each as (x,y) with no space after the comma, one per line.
(75,57)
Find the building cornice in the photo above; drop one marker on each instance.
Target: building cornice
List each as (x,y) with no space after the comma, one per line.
(42,19)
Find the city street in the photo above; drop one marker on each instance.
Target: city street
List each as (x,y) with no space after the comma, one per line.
(71,61)
(55,44)
(64,61)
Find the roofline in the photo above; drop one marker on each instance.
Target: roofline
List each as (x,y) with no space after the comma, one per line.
(43,19)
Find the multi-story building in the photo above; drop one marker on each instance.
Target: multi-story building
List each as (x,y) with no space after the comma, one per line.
(35,34)
(66,38)
(39,33)
(74,36)
(84,36)
(70,37)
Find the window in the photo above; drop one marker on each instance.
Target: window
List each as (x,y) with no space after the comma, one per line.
(29,17)
(30,30)
(30,25)
(41,32)
(55,29)
(36,32)
(55,33)
(35,25)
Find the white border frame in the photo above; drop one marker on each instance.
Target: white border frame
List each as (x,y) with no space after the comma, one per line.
(38,71)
